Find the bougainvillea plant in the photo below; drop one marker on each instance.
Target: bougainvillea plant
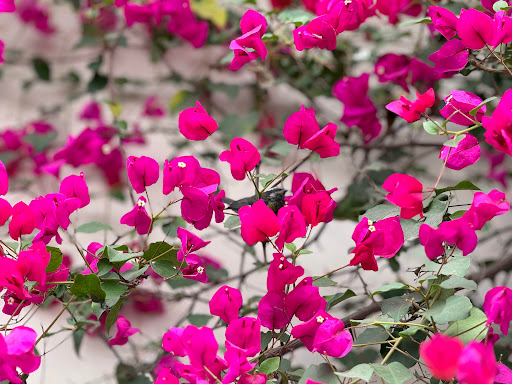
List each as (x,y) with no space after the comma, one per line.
(296,192)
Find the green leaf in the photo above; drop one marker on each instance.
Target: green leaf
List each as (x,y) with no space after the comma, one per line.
(171,228)
(157,250)
(210,10)
(499,5)
(232,222)
(390,287)
(291,247)
(98,309)
(304,252)
(199,320)
(40,142)
(112,315)
(270,365)
(372,335)
(458,282)
(182,100)
(398,306)
(393,373)
(41,68)
(238,125)
(451,309)
(410,228)
(361,371)
(267,179)
(93,227)
(85,285)
(97,83)
(421,20)
(55,259)
(180,282)
(380,212)
(323,282)
(321,373)
(281,148)
(462,186)
(113,290)
(114,256)
(338,298)
(104,267)
(457,265)
(474,111)
(436,210)
(454,142)
(134,272)
(470,328)
(431,128)
(78,336)
(296,16)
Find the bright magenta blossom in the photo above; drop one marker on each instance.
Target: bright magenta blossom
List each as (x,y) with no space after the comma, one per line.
(258,222)
(393,68)
(124,331)
(292,225)
(190,243)
(457,232)
(7,6)
(332,339)
(317,33)
(452,57)
(503,29)
(17,351)
(180,171)
(466,153)
(304,301)
(2,49)
(196,124)
(138,217)
(75,186)
(458,106)
(244,334)
(5,211)
(23,222)
(153,107)
(383,238)
(499,125)
(484,207)
(226,303)
(242,157)
(36,13)
(257,378)
(475,29)
(271,310)
(166,377)
(249,46)
(252,19)
(396,7)
(477,364)
(411,110)
(318,208)
(4,180)
(195,269)
(441,354)
(444,21)
(306,331)
(300,127)
(323,142)
(405,192)
(498,307)
(281,273)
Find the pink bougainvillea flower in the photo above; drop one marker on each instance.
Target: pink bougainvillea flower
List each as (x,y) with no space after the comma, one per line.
(194,205)
(318,208)
(166,377)
(2,49)
(323,142)
(142,172)
(180,171)
(247,47)
(36,13)
(226,303)
(257,378)
(457,232)
(304,301)
(319,33)
(7,6)
(383,238)
(195,269)
(23,221)
(423,76)
(411,110)
(185,25)
(499,125)
(503,374)
(458,106)
(359,110)
(271,310)
(303,184)
(124,331)
(5,211)
(242,157)
(503,29)
(300,127)
(252,19)
(394,8)
(195,123)
(172,342)
(441,354)
(498,307)
(189,243)
(153,107)
(444,21)
(452,57)
(475,29)
(332,339)
(405,192)
(281,273)
(75,186)
(201,346)
(347,15)
(306,331)
(393,68)
(292,225)
(4,180)
(91,111)
(258,222)
(238,364)
(484,207)
(17,351)
(138,217)
(245,334)
(477,364)
(466,153)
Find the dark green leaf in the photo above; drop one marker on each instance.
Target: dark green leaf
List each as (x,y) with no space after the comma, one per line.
(372,335)
(394,373)
(88,285)
(112,315)
(97,83)
(93,227)
(436,210)
(134,272)
(470,328)
(451,309)
(458,282)
(475,110)
(55,259)
(113,290)
(323,282)
(338,298)
(270,365)
(78,336)
(199,320)
(462,186)
(390,287)
(41,68)
(361,371)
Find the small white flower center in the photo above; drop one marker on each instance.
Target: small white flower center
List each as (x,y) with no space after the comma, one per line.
(141,203)
(200,270)
(106,149)
(320,319)
(371,228)
(370,222)
(181,164)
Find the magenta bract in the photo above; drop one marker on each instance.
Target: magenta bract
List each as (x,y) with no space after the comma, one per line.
(271,310)
(475,29)
(405,192)
(292,225)
(17,351)
(452,57)
(138,217)
(466,153)
(242,157)
(281,273)
(484,207)
(124,331)
(244,334)
(499,125)
(189,243)
(444,21)
(332,340)
(300,127)
(411,110)
(498,307)
(195,123)
(226,303)
(477,364)
(459,104)
(441,354)
(142,172)
(23,221)
(75,186)
(258,222)
(323,142)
